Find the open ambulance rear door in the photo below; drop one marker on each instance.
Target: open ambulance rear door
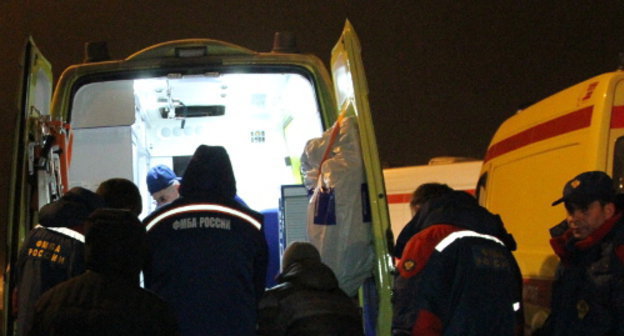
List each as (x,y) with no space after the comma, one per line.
(32,181)
(352,95)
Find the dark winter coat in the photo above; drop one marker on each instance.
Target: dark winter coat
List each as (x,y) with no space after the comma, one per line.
(588,292)
(99,304)
(107,299)
(308,302)
(457,275)
(52,252)
(208,252)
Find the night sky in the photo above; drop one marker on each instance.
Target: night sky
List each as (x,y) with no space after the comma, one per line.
(442,74)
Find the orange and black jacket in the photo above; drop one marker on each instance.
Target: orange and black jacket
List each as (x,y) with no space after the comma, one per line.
(456,275)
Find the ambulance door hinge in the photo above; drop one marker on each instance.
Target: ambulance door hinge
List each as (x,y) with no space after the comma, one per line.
(48,142)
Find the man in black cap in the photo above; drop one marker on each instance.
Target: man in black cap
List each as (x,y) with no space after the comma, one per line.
(208,252)
(52,252)
(588,292)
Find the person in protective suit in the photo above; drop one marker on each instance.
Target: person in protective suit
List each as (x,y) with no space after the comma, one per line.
(52,252)
(106,299)
(307,300)
(457,275)
(208,252)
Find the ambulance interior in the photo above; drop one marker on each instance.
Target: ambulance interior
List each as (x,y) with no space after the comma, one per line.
(123,127)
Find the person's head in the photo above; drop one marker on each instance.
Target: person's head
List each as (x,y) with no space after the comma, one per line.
(299,251)
(120,193)
(163,184)
(426,192)
(209,175)
(71,210)
(115,243)
(589,202)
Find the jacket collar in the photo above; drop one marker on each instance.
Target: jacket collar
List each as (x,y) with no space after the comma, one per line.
(565,243)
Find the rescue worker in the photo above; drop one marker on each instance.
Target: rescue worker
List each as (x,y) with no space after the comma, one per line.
(52,252)
(107,298)
(457,275)
(208,252)
(421,195)
(588,292)
(307,300)
(163,185)
(121,193)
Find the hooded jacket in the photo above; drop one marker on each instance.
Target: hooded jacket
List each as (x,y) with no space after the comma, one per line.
(308,301)
(106,299)
(52,252)
(457,275)
(208,252)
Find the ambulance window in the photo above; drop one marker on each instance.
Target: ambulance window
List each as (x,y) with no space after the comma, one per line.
(618,165)
(124,127)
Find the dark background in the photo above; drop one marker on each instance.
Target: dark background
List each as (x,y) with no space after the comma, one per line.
(442,74)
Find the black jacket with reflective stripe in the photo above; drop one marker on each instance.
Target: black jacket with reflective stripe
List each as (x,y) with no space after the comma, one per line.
(208,261)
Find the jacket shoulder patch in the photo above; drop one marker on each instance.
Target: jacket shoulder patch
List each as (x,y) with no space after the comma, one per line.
(420,247)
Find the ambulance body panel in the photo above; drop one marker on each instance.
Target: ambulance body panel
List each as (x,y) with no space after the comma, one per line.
(533,154)
(119,118)
(402,181)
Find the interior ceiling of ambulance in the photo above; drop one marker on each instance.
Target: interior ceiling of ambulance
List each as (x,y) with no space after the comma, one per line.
(263,120)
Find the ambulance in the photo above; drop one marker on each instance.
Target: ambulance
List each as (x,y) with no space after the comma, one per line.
(458,173)
(116,118)
(530,158)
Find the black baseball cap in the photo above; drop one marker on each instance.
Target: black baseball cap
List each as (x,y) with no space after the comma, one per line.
(587,187)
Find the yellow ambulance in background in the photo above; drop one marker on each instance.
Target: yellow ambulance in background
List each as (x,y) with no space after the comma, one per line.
(530,158)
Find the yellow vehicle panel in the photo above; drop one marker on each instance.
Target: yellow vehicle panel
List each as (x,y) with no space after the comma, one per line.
(530,158)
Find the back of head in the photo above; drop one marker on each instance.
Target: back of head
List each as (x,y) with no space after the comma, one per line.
(454,208)
(209,175)
(71,210)
(428,191)
(115,243)
(299,251)
(423,194)
(120,193)
(461,209)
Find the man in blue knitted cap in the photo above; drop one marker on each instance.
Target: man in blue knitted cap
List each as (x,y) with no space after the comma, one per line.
(163,185)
